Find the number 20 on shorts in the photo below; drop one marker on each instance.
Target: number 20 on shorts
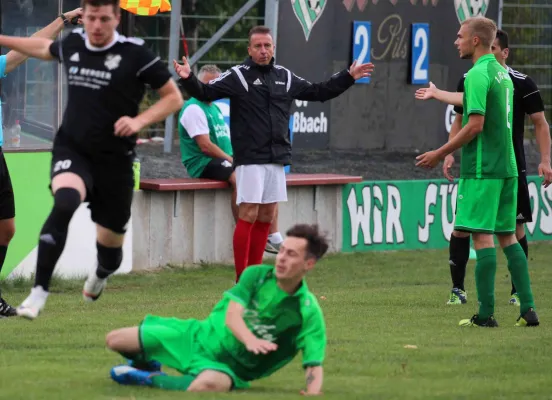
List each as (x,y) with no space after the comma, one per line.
(419,72)
(362,39)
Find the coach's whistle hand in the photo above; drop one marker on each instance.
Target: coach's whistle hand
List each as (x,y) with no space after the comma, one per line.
(359,71)
(183,70)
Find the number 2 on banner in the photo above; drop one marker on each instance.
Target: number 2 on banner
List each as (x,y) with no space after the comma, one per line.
(420,54)
(362,35)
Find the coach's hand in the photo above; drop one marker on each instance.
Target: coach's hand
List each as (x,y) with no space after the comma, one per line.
(260,346)
(127,126)
(447,165)
(358,71)
(428,160)
(545,172)
(183,70)
(426,93)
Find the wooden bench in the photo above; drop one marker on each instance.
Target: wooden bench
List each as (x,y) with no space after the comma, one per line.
(177,184)
(185,220)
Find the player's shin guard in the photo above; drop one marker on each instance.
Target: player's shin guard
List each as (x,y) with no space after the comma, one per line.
(485,271)
(168,382)
(241,242)
(459,254)
(109,260)
(259,237)
(525,246)
(517,264)
(54,234)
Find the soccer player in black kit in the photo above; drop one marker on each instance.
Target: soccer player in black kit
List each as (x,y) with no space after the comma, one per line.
(93,150)
(527,100)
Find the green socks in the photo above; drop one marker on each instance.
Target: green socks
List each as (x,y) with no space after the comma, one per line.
(168,382)
(485,272)
(517,264)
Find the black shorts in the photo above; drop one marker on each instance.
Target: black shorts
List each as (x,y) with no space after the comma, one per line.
(524,214)
(109,181)
(218,169)
(7,201)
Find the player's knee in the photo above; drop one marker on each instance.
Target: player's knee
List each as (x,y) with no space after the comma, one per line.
(7,232)
(460,234)
(202,385)
(112,340)
(66,201)
(266,212)
(248,212)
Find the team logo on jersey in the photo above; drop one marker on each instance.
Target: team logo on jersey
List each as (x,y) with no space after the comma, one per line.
(470,8)
(308,12)
(112,61)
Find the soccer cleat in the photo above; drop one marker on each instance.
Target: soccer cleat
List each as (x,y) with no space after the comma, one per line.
(514,300)
(530,318)
(475,321)
(34,304)
(273,248)
(149,366)
(93,287)
(457,296)
(6,310)
(127,375)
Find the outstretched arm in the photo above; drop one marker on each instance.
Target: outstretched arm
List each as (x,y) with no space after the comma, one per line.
(314,378)
(15,58)
(218,88)
(29,47)
(432,92)
(302,89)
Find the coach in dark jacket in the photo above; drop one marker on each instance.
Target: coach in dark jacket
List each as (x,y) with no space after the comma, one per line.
(261,94)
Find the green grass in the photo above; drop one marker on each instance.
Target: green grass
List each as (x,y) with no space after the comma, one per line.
(375,304)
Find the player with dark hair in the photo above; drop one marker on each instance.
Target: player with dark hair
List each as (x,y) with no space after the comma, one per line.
(257,328)
(93,150)
(488,172)
(527,100)
(8,63)
(261,94)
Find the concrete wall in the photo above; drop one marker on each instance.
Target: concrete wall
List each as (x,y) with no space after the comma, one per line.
(197,226)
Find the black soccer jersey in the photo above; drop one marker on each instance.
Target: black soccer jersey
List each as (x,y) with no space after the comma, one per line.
(527,100)
(104,84)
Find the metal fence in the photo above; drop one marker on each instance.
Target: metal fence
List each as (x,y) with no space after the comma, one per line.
(529,26)
(196,28)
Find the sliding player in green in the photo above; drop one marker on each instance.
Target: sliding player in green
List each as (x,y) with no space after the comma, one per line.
(256,329)
(487,192)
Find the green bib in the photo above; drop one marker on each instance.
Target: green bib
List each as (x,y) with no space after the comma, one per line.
(192,157)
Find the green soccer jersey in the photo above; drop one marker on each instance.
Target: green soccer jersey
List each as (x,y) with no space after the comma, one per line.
(294,322)
(489,91)
(192,157)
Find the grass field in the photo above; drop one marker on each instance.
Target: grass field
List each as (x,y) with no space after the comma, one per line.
(374,304)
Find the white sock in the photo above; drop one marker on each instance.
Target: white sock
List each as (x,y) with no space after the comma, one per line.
(275,238)
(39,294)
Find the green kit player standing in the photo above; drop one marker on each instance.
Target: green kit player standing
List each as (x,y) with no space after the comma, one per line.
(487,192)
(256,329)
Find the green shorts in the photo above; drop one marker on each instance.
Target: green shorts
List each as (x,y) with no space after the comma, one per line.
(486,205)
(177,344)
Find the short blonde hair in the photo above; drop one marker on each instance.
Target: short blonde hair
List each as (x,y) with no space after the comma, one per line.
(484,28)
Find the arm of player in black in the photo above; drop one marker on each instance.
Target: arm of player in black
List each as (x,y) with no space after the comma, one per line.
(432,92)
(224,86)
(302,89)
(31,47)
(153,72)
(15,58)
